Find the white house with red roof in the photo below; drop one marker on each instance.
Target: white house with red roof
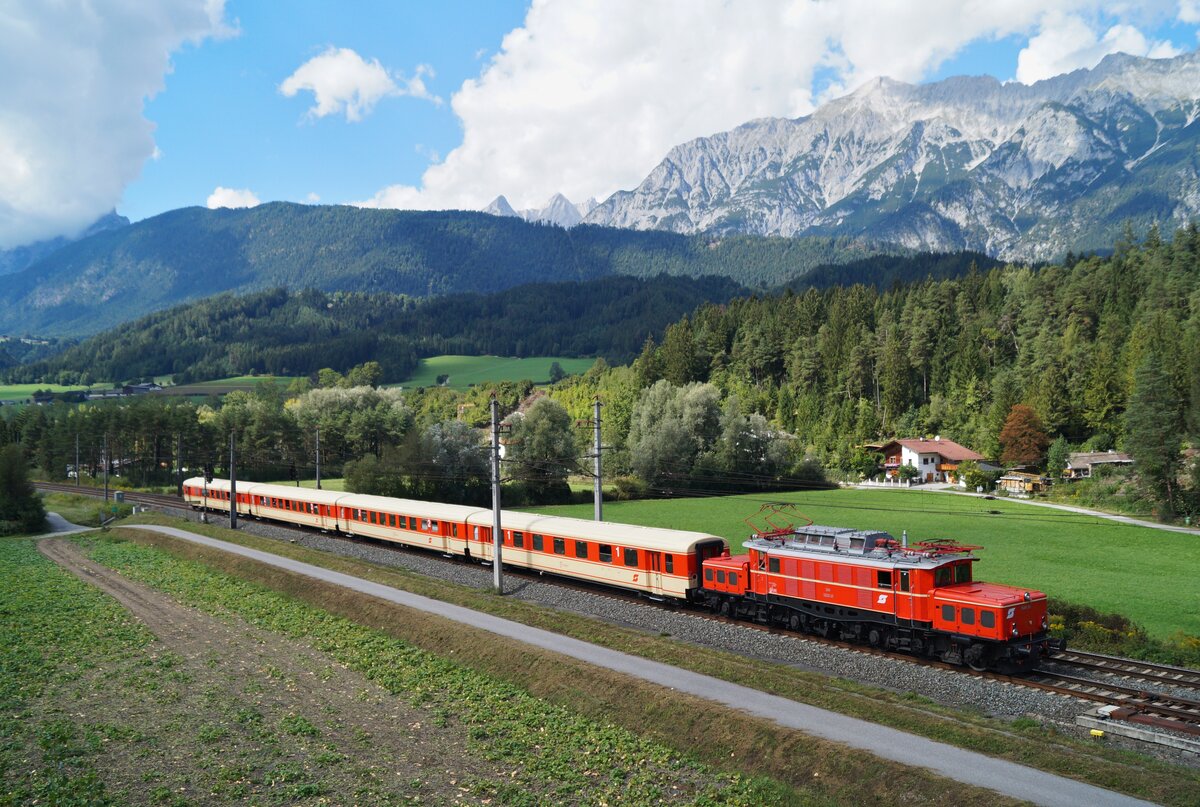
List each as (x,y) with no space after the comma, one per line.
(936,460)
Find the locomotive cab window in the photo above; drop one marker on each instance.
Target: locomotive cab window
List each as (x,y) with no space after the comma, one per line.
(606,553)
(631,557)
(941,576)
(947,613)
(987,619)
(773,565)
(904,580)
(962,573)
(581,549)
(884,579)
(560,546)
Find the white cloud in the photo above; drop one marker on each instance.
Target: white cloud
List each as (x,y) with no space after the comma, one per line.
(72,130)
(1068,42)
(232,197)
(587,96)
(342,82)
(312,198)
(1189,11)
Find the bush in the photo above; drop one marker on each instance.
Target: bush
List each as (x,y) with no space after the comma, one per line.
(21,508)
(1086,628)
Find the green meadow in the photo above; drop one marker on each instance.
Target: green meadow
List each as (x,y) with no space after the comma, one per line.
(466,370)
(1145,574)
(12,392)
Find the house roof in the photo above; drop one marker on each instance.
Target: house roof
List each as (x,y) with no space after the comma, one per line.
(948,449)
(1086,459)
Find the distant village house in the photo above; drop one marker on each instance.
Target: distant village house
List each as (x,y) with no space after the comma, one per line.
(1081,464)
(1021,483)
(936,460)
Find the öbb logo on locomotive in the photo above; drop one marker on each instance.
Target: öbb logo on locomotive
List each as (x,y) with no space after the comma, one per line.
(855,585)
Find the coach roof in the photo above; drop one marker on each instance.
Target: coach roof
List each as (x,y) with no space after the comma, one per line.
(652,538)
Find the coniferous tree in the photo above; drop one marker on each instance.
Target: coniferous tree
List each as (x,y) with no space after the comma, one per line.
(21,508)
(1152,428)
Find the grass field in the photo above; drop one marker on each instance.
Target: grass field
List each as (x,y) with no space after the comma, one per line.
(311,484)
(13,392)
(467,370)
(1145,574)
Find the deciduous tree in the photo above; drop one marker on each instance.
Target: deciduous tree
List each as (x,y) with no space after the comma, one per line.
(1023,440)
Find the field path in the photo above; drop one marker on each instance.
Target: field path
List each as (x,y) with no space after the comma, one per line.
(231,666)
(1070,508)
(1011,779)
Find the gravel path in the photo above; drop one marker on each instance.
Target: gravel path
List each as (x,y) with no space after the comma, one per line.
(958,690)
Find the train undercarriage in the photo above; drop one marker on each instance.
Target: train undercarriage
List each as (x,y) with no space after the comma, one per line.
(879,630)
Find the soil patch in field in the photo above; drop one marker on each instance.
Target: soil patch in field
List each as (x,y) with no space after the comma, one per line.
(221,710)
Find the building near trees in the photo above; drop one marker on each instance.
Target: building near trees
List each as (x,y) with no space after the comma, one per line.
(1081,464)
(935,460)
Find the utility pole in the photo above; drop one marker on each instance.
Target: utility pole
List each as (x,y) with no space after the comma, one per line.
(179,465)
(497,532)
(596,467)
(106,469)
(232,484)
(77,473)
(318,458)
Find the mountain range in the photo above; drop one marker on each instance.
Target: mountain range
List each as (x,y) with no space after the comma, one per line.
(558,210)
(18,258)
(1025,172)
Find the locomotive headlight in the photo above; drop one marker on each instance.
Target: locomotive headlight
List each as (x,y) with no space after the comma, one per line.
(1014,630)
(1045,623)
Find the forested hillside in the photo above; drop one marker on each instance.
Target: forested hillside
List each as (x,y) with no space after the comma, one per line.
(284,333)
(1106,350)
(189,254)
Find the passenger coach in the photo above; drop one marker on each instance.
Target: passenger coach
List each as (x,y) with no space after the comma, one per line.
(656,562)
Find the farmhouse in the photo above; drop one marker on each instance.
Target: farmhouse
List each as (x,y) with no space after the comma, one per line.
(936,460)
(1081,464)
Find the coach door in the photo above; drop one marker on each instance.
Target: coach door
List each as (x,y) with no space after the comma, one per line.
(655,573)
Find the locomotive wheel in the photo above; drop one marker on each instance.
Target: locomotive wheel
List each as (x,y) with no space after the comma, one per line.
(723,608)
(794,622)
(975,658)
(873,638)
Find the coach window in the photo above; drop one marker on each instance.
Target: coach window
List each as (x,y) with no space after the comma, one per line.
(581,549)
(773,565)
(904,580)
(947,613)
(433,526)
(518,539)
(987,619)
(560,546)
(631,557)
(605,553)
(968,616)
(721,576)
(475,531)
(537,542)
(670,564)
(708,576)
(884,579)
(733,578)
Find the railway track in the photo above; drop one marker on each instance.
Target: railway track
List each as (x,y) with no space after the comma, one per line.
(1129,703)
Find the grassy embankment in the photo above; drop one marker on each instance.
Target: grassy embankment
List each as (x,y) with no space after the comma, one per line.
(464,371)
(716,735)
(86,511)
(70,657)
(1144,574)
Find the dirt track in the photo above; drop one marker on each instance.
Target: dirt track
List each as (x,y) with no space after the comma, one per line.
(236,714)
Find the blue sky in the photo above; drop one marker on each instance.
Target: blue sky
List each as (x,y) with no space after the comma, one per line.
(448,104)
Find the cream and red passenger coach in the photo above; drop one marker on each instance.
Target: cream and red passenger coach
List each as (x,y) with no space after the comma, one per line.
(655,562)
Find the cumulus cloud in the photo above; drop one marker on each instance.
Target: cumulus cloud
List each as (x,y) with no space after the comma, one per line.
(587,96)
(1189,11)
(1067,42)
(343,83)
(72,129)
(232,197)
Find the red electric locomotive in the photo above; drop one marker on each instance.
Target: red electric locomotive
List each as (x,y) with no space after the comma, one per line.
(866,586)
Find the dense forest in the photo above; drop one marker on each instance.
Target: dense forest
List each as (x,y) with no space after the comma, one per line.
(1099,352)
(113,277)
(281,333)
